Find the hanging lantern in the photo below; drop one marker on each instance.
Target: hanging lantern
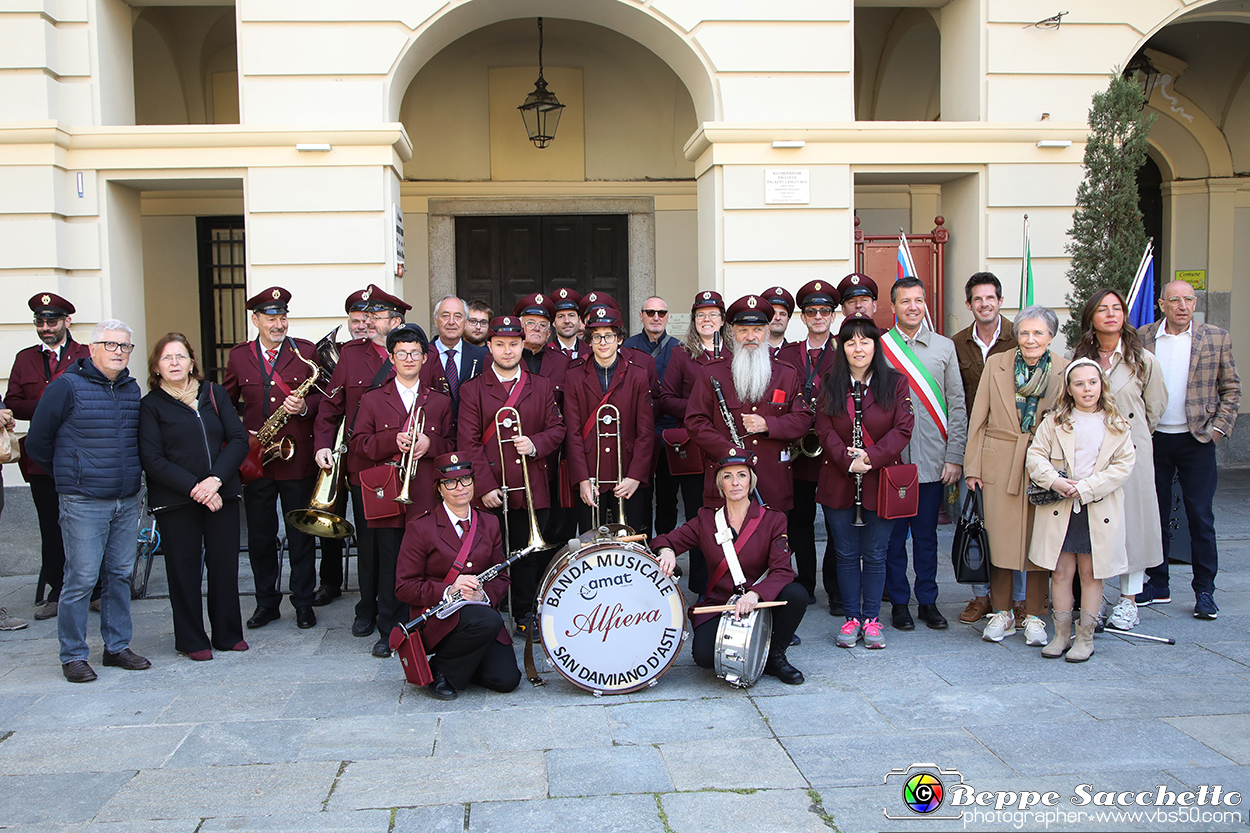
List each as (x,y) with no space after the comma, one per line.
(541,110)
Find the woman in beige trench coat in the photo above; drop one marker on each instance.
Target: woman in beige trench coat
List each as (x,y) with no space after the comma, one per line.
(1136,379)
(995,458)
(1084,451)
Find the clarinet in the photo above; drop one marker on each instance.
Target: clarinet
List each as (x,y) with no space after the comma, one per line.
(454,601)
(857,440)
(728,416)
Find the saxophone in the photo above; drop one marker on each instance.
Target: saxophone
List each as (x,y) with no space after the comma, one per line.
(285,448)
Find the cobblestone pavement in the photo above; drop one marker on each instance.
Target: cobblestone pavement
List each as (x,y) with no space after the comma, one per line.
(308,732)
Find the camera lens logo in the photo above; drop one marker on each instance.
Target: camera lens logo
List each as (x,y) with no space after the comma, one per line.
(922,793)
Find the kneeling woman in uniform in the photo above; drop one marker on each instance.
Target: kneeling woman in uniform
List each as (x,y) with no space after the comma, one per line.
(758,537)
(443,551)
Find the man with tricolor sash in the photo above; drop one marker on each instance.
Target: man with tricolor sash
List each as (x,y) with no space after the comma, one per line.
(929,362)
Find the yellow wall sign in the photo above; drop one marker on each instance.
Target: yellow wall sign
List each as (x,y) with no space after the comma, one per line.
(1197,278)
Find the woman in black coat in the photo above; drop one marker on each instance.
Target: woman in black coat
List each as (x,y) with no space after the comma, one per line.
(191,444)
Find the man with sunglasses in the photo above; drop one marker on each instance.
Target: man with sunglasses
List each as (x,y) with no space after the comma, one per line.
(33,370)
(86,432)
(655,340)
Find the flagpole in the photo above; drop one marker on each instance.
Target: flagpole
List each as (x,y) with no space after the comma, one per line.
(910,267)
(1025,266)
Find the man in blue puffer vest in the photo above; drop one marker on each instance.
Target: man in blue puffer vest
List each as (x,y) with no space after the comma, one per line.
(86,432)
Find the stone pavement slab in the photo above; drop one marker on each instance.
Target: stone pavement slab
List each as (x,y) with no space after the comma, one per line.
(453,780)
(620,814)
(226,703)
(972,705)
(57,799)
(343,699)
(370,737)
(606,770)
(324,822)
(793,811)
(731,764)
(448,818)
(853,759)
(828,713)
(672,720)
(102,749)
(1163,697)
(237,743)
(85,707)
(519,729)
(1225,734)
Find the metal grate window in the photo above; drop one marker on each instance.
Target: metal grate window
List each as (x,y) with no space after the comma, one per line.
(223,290)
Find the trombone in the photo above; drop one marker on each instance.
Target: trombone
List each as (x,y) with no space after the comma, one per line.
(408,460)
(510,418)
(607,427)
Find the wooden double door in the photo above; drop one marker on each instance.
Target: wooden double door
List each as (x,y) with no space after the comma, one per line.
(500,260)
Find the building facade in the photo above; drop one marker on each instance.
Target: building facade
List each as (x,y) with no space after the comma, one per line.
(161,161)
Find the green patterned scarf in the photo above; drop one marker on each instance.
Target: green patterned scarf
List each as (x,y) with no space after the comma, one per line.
(1031,384)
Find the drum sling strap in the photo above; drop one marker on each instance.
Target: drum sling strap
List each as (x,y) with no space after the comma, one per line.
(725,537)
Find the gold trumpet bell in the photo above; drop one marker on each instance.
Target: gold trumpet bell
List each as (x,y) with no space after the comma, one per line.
(319,523)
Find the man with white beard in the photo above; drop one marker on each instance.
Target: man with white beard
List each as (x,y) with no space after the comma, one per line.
(763,397)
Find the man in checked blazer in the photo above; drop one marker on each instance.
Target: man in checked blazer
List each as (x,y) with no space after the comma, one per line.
(1204,393)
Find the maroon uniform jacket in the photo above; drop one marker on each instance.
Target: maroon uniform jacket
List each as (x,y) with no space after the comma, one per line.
(378,423)
(31,373)
(583,349)
(783,407)
(246,386)
(797,355)
(630,392)
(680,377)
(775,352)
(765,559)
(890,432)
(429,549)
(359,363)
(480,399)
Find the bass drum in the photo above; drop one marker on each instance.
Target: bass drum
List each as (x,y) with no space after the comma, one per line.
(609,620)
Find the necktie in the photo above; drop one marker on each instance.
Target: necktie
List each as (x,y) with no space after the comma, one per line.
(813,356)
(51,354)
(510,384)
(271,356)
(462,526)
(452,374)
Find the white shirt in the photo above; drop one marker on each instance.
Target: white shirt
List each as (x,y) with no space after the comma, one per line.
(985,348)
(59,349)
(407,395)
(1173,352)
(570,346)
(444,353)
(454,520)
(503,379)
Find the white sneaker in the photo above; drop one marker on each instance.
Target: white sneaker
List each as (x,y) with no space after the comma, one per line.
(1001,624)
(1124,615)
(1035,631)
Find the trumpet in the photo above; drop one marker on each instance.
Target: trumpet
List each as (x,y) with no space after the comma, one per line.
(323,517)
(608,415)
(284,449)
(408,461)
(510,418)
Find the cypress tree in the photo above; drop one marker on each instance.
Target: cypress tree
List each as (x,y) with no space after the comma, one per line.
(1107,234)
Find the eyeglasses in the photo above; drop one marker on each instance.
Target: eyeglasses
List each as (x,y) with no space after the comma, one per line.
(603,338)
(655,313)
(478,322)
(1186,300)
(706,316)
(114,346)
(48,322)
(536,325)
(463,481)
(818,312)
(382,316)
(407,355)
(174,358)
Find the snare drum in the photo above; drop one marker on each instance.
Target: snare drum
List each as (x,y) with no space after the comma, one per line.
(742,646)
(609,620)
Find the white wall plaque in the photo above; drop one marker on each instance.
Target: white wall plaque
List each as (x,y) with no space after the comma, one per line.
(787,186)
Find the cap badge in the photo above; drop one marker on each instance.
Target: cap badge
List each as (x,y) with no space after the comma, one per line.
(538,299)
(507,321)
(455,459)
(817,287)
(751,302)
(276,294)
(855,279)
(364,296)
(777,291)
(46,299)
(564,293)
(707,295)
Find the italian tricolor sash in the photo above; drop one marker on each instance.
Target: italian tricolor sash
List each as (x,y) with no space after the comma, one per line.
(919,379)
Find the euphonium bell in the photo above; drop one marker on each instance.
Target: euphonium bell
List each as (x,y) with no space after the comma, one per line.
(323,517)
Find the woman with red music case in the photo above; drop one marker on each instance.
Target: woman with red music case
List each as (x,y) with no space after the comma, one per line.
(443,552)
(763,551)
(609,377)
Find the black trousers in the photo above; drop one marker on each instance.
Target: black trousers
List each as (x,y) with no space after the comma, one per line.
(260,500)
(664,486)
(692,502)
(381,578)
(192,536)
(527,572)
(1194,462)
(801,530)
(366,560)
(331,571)
(472,652)
(786,621)
(52,567)
(637,512)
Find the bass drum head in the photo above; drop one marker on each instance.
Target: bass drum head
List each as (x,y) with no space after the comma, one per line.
(609,620)
(742,647)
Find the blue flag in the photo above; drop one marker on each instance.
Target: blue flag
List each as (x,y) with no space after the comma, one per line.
(1141,298)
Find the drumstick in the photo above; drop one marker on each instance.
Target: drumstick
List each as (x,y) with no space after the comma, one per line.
(631,538)
(730,608)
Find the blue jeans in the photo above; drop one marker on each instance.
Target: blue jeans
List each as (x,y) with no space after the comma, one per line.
(861,560)
(101,540)
(923,529)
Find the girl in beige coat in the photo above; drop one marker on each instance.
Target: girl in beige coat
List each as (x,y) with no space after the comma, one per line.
(1087,440)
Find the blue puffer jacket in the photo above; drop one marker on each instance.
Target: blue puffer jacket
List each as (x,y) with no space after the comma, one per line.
(86,432)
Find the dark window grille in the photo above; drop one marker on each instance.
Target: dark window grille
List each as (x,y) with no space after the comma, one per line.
(223,290)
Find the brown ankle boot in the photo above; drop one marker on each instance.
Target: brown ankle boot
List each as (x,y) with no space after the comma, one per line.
(1063,635)
(1083,646)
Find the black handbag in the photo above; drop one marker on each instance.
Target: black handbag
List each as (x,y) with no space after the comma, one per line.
(1043,497)
(970,552)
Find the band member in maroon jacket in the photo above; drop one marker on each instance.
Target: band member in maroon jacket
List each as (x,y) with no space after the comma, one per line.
(363,364)
(706,343)
(783,308)
(567,305)
(765,399)
(860,366)
(540,433)
(812,358)
(444,551)
(386,429)
(595,442)
(263,376)
(759,540)
(33,369)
